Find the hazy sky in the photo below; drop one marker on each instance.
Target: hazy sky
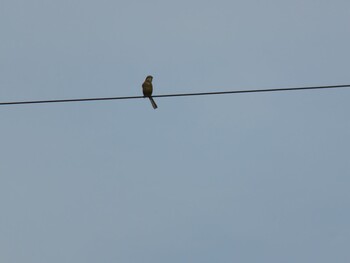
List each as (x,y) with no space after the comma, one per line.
(261,177)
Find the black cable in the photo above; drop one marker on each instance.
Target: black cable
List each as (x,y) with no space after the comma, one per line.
(177,95)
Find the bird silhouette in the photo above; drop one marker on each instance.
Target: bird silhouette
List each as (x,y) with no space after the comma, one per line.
(147,89)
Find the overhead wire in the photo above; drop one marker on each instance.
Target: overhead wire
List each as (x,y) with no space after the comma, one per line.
(176,95)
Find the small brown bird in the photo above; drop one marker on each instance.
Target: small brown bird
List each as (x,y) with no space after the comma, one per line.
(147,89)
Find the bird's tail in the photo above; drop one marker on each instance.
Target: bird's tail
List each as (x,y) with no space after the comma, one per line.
(154,105)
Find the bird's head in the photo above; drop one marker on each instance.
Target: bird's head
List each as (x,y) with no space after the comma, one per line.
(149,78)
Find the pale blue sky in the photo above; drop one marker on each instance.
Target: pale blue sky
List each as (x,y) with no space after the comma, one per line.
(236,178)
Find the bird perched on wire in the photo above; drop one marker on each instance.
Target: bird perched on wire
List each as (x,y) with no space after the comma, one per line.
(147,89)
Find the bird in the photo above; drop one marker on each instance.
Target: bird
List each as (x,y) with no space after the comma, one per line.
(147,89)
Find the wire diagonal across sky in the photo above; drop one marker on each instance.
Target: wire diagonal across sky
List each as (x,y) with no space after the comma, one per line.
(176,95)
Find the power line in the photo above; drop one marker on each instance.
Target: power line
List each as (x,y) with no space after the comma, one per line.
(176,95)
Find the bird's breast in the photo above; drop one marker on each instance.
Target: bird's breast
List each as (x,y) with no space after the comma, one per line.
(147,89)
